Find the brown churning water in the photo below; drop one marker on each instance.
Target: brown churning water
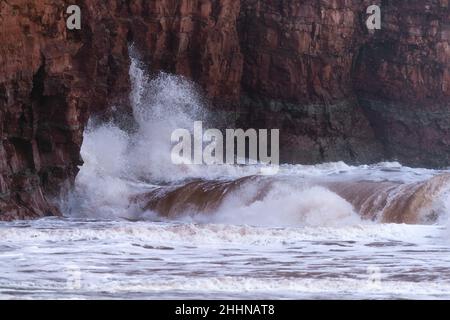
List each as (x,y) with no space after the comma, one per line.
(384,201)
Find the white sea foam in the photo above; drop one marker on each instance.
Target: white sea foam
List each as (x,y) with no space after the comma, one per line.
(69,258)
(67,231)
(283,206)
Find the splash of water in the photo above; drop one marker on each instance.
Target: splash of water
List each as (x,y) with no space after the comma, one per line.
(286,206)
(120,164)
(116,161)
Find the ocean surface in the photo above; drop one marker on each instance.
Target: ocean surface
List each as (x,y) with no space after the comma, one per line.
(84,259)
(136,226)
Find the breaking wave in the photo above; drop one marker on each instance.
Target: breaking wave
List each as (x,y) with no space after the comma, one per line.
(129,174)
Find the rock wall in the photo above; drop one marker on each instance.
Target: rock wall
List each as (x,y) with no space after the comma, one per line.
(312,68)
(402,81)
(50,79)
(308,67)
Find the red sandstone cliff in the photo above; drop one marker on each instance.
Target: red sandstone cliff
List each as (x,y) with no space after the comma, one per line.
(309,67)
(50,78)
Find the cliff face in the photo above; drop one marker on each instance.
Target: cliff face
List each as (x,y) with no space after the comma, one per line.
(338,91)
(310,68)
(298,75)
(50,78)
(402,81)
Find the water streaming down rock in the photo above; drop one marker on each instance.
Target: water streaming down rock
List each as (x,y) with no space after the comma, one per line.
(130,175)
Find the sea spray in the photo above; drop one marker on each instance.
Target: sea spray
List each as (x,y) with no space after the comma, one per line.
(122,168)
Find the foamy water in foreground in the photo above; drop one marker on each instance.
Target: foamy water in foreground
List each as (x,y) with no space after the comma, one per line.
(69,258)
